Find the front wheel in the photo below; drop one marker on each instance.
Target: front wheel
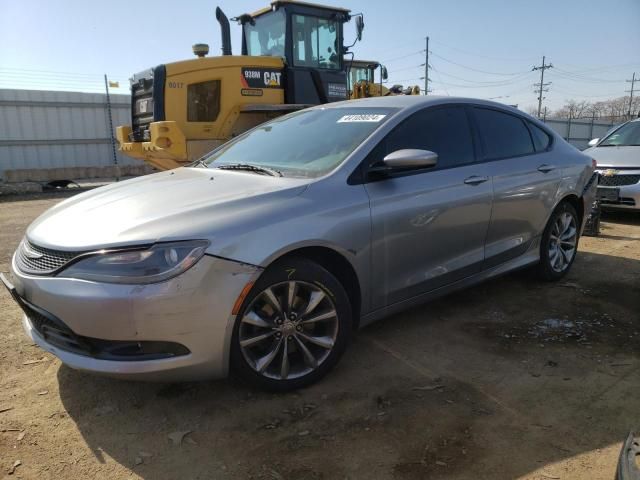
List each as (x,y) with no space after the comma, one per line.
(293,326)
(559,243)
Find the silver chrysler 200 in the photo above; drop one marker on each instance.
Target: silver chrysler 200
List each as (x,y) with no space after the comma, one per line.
(264,256)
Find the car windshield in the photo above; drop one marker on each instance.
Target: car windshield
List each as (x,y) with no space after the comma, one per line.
(309,143)
(626,136)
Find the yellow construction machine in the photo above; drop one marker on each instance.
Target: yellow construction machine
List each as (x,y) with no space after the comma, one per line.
(292,58)
(362,84)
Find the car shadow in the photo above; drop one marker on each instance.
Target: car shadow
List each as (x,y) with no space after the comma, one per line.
(621,217)
(497,381)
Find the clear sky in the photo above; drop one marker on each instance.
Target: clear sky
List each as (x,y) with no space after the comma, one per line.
(479,48)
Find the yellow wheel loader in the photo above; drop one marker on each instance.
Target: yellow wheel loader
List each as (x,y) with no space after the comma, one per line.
(292,58)
(362,84)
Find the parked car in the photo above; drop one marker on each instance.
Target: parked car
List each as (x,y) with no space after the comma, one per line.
(266,255)
(618,157)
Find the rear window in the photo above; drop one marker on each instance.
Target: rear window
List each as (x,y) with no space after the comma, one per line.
(503,135)
(203,101)
(541,139)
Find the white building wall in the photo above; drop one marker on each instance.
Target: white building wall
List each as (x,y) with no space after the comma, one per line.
(48,132)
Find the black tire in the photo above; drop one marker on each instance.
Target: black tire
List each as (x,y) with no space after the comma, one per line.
(306,274)
(544,268)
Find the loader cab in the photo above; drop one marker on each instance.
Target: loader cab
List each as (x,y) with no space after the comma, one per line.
(360,71)
(309,38)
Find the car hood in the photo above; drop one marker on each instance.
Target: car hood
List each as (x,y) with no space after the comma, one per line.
(615,156)
(187,203)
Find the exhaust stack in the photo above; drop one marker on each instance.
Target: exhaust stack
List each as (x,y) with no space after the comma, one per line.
(224,31)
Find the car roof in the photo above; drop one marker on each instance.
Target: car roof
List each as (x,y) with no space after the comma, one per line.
(417,101)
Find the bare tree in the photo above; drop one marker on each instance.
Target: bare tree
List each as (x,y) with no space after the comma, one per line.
(532,110)
(612,110)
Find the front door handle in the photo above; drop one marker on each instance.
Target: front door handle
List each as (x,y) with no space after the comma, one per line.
(475,180)
(544,168)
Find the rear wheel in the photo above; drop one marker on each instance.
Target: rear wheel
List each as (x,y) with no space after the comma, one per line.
(293,326)
(559,243)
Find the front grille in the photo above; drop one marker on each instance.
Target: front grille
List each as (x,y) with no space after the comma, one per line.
(618,180)
(37,260)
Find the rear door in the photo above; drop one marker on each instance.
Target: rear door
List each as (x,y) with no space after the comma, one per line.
(525,181)
(428,226)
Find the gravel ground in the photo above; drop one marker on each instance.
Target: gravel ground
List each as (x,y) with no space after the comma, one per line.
(509,379)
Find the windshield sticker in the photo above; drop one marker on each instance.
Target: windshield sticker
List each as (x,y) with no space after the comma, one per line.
(373,117)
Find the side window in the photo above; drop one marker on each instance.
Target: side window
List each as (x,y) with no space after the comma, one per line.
(444,131)
(315,42)
(203,101)
(541,139)
(503,135)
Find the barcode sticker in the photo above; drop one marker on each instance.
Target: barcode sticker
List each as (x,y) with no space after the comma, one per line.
(361,118)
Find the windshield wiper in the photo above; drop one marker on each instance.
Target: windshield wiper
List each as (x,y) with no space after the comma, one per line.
(199,163)
(251,168)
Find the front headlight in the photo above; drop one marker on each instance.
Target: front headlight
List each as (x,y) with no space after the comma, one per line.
(150,265)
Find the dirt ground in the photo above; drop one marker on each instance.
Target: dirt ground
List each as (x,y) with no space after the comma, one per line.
(510,379)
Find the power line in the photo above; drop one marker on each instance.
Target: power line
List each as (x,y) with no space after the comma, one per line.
(482,55)
(440,81)
(573,94)
(408,68)
(414,79)
(494,83)
(581,78)
(475,69)
(601,68)
(75,74)
(394,59)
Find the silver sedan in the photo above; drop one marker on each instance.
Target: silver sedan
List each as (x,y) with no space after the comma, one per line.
(618,157)
(265,256)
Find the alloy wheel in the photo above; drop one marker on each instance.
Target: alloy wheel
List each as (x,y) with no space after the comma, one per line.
(288,330)
(562,242)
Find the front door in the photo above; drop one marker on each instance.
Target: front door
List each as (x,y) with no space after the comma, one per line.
(428,226)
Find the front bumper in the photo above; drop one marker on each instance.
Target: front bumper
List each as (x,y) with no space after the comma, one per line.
(628,196)
(166,148)
(192,310)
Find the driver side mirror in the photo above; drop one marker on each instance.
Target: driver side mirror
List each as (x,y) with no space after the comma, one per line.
(593,142)
(383,73)
(406,159)
(359,27)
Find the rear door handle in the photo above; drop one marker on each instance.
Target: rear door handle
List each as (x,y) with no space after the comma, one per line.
(475,180)
(544,168)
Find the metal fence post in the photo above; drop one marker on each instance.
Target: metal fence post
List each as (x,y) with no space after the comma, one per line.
(111,137)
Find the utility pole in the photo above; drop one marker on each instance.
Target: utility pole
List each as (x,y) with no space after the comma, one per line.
(426,69)
(540,87)
(632,82)
(111,137)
